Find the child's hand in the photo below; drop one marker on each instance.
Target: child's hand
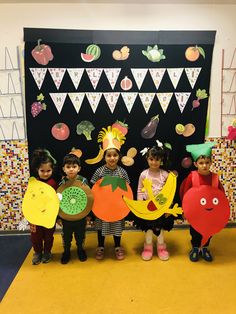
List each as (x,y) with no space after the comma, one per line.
(59,222)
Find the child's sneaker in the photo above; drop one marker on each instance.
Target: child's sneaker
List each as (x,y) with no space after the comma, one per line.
(46,258)
(65,257)
(194,254)
(206,255)
(82,256)
(99,253)
(147,252)
(120,253)
(37,257)
(162,252)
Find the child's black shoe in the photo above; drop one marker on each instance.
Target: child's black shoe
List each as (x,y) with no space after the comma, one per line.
(82,256)
(46,258)
(206,255)
(65,257)
(194,254)
(37,257)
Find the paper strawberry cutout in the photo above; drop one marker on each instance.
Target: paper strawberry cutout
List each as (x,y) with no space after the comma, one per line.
(38,106)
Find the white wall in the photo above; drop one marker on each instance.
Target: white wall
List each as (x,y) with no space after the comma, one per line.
(221,18)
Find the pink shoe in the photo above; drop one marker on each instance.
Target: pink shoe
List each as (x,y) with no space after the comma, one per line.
(99,253)
(147,252)
(162,252)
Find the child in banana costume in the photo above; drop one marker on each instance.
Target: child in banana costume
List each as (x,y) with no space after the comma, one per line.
(157,158)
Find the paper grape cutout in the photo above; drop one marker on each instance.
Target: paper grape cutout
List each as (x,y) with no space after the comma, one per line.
(74,200)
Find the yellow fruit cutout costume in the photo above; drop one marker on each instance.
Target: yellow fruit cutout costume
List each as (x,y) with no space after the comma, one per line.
(40,204)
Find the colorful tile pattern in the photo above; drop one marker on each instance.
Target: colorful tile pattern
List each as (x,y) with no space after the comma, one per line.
(14,170)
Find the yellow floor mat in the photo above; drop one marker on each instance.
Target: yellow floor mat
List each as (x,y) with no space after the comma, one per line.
(132,285)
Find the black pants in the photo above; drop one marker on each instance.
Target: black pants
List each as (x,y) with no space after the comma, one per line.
(197,238)
(78,228)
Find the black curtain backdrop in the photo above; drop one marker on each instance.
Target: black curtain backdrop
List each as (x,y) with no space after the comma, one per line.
(67,46)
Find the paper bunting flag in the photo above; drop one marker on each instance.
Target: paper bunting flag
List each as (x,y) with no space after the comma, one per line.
(58,100)
(38,75)
(75,75)
(139,76)
(112,75)
(182,99)
(175,74)
(76,99)
(164,100)
(94,99)
(192,75)
(94,76)
(111,99)
(146,99)
(129,99)
(57,75)
(157,75)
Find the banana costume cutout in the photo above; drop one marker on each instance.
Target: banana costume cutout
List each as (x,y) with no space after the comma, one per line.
(156,205)
(96,159)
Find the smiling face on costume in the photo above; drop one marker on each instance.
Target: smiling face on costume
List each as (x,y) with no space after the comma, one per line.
(112,157)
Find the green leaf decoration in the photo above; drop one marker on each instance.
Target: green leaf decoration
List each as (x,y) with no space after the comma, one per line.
(149,48)
(40,97)
(202,52)
(201,94)
(144,52)
(115,183)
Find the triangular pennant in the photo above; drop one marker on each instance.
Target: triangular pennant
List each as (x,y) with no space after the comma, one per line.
(76,99)
(112,75)
(192,75)
(157,75)
(94,76)
(146,99)
(57,75)
(8,60)
(13,111)
(111,99)
(10,85)
(175,74)
(94,99)
(38,75)
(58,100)
(182,99)
(15,133)
(164,100)
(129,99)
(75,75)
(139,76)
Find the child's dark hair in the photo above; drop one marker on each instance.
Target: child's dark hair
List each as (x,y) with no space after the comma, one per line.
(107,150)
(41,156)
(161,153)
(203,157)
(71,159)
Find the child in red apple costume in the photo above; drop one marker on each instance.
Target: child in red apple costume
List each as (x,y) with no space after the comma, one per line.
(204,204)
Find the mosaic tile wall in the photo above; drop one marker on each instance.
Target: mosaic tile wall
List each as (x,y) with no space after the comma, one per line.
(14,173)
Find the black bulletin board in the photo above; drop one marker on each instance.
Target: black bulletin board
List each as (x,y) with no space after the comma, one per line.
(67,46)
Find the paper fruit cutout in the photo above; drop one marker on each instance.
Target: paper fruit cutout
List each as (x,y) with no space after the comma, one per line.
(123,127)
(76,151)
(200,94)
(206,207)
(156,205)
(126,83)
(193,53)
(111,189)
(40,204)
(232,131)
(38,106)
(76,200)
(186,162)
(154,54)
(150,129)
(60,131)
(42,54)
(128,159)
(85,127)
(93,52)
(185,130)
(96,159)
(121,54)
